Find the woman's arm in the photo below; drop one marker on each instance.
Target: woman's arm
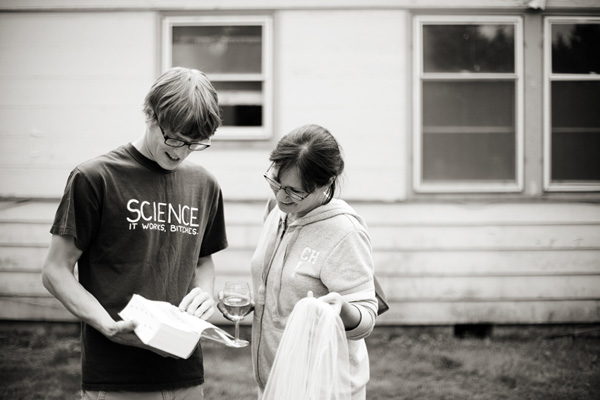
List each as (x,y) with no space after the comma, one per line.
(349,278)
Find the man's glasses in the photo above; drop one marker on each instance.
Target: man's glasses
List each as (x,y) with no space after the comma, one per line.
(293,193)
(194,146)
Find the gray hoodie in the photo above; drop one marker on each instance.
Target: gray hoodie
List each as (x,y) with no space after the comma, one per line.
(327,250)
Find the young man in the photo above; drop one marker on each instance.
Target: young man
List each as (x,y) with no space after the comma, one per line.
(140,219)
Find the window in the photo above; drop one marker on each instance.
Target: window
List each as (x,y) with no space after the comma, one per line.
(235,54)
(572,104)
(468,94)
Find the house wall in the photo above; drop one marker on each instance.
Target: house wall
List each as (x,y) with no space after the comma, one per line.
(71,89)
(73,76)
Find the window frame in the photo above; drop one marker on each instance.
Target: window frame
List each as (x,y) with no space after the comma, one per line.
(419,186)
(550,77)
(230,133)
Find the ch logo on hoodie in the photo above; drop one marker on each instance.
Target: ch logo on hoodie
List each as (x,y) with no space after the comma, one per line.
(308,255)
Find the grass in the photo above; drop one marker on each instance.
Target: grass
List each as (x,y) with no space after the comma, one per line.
(41,361)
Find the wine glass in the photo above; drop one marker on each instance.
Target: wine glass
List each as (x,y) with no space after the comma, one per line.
(237,303)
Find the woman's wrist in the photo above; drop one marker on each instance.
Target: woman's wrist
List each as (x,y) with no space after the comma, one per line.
(350,315)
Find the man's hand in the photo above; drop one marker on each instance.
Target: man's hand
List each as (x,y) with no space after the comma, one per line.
(122,333)
(198,303)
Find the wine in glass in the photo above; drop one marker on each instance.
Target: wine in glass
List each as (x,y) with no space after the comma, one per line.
(237,302)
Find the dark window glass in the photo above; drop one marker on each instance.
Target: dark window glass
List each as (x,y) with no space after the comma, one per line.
(240,102)
(218,49)
(468,48)
(481,156)
(241,115)
(576,48)
(238,86)
(575,131)
(469,130)
(232,57)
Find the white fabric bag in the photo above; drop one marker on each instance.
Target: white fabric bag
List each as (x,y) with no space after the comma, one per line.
(312,359)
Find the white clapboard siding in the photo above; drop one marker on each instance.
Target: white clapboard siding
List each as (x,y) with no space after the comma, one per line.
(438,263)
(493,312)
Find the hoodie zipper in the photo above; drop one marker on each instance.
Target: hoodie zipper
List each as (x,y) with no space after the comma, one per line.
(265,279)
(278,241)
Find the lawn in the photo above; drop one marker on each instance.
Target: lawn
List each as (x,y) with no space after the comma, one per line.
(41,361)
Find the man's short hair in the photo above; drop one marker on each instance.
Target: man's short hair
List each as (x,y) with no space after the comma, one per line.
(182,100)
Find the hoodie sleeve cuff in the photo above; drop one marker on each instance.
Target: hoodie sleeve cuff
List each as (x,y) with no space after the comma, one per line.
(364,327)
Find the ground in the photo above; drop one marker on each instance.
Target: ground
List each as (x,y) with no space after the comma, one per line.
(41,361)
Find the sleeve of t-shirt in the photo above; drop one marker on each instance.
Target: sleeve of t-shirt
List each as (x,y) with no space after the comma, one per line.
(215,236)
(78,211)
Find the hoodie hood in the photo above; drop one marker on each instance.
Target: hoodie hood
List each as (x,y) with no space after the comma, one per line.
(332,209)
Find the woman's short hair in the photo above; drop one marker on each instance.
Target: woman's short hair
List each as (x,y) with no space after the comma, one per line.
(316,154)
(183,100)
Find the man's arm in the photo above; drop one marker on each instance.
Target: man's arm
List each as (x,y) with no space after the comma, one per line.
(58,278)
(199,301)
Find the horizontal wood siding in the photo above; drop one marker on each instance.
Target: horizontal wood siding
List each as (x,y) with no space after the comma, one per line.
(438,263)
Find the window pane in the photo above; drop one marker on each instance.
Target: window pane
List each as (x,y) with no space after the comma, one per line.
(575,131)
(576,48)
(469,103)
(469,131)
(241,115)
(468,48)
(218,49)
(469,156)
(240,102)
(247,93)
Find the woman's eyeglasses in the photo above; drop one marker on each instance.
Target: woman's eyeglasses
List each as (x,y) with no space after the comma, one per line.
(291,192)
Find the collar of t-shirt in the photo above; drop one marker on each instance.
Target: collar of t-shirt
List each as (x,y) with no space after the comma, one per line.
(145,161)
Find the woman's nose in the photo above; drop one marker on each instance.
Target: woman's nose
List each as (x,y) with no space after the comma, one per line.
(280,194)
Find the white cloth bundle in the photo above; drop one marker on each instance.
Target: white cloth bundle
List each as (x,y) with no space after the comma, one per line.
(312,358)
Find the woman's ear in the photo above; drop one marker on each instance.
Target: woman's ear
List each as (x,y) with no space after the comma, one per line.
(328,187)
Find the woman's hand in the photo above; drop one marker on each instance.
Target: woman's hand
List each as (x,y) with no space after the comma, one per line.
(348,312)
(335,300)
(228,316)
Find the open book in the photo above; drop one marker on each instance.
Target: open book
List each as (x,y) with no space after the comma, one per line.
(165,327)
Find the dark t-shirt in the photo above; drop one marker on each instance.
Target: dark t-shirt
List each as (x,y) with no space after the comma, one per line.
(141,229)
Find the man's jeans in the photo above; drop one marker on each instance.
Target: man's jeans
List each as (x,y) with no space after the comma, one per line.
(189,393)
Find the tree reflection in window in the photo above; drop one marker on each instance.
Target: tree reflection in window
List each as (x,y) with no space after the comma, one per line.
(468,48)
(576,48)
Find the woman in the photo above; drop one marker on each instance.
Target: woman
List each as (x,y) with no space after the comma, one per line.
(311,242)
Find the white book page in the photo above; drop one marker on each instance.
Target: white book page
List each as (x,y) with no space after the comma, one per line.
(208,330)
(175,317)
(150,314)
(138,310)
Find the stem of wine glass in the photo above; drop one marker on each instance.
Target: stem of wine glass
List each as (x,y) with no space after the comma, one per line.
(237,330)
